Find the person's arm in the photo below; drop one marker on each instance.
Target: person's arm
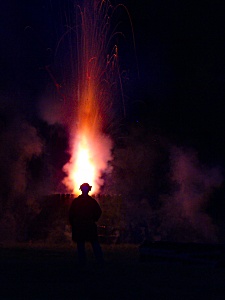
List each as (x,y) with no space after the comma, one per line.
(98,211)
(71,214)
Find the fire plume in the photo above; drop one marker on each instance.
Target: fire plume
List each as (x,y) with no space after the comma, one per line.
(96,71)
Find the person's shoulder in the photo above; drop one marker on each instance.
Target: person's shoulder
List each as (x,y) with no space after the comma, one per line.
(75,200)
(91,198)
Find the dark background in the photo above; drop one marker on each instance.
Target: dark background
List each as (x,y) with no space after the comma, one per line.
(176,80)
(174,85)
(180,48)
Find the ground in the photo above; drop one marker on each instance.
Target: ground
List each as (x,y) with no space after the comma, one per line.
(41,272)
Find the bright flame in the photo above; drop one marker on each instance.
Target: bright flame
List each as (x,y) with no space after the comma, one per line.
(96,74)
(84,169)
(90,155)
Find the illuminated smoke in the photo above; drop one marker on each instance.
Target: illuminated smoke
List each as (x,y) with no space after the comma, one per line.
(93,95)
(20,143)
(97,75)
(184,216)
(166,191)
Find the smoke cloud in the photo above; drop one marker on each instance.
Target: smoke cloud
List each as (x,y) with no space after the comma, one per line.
(165,190)
(20,143)
(183,215)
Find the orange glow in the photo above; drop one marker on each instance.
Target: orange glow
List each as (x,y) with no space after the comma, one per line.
(96,74)
(84,169)
(90,154)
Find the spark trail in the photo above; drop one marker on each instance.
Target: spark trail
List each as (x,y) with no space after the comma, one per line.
(97,74)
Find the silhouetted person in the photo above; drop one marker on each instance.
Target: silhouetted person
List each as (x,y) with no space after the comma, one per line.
(83,215)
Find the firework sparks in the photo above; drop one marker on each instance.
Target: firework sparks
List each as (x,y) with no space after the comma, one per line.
(97,70)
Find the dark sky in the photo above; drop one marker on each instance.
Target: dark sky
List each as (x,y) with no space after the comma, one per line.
(180,48)
(181,52)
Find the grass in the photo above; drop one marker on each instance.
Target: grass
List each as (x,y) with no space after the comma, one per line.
(43,271)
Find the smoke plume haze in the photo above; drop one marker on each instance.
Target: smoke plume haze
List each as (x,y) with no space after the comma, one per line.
(184,211)
(167,192)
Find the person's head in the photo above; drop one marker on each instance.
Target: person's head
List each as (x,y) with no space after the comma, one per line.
(85,188)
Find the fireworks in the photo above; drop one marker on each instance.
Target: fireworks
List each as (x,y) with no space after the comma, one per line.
(97,75)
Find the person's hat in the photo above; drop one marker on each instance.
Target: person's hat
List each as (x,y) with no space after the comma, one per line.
(85,185)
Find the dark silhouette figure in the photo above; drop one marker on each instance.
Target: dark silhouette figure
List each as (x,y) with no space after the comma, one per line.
(83,215)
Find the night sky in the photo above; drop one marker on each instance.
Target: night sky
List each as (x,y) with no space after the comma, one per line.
(180,56)
(174,87)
